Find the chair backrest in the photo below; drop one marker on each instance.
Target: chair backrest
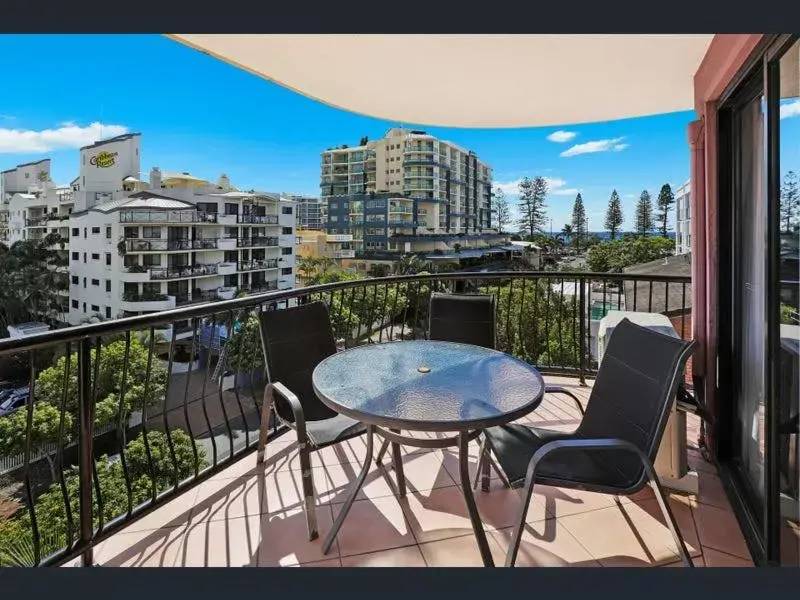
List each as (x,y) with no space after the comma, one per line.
(464,318)
(295,341)
(634,391)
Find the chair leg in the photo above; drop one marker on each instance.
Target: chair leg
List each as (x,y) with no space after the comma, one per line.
(266,410)
(663,503)
(397,459)
(516,537)
(308,490)
(482,466)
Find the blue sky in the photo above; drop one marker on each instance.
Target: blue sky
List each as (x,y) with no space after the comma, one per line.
(201,115)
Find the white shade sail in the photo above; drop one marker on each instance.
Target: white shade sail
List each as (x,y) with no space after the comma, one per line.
(475,80)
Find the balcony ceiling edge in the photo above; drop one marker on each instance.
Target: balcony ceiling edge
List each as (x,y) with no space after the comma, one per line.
(476,81)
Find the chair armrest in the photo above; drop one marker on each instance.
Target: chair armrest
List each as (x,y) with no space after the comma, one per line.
(588,444)
(557,389)
(294,403)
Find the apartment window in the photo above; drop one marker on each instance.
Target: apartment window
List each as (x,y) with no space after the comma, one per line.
(96,282)
(108,233)
(108,259)
(151,232)
(75,304)
(231,209)
(95,256)
(108,312)
(75,280)
(286,230)
(286,210)
(95,308)
(84,282)
(84,257)
(76,232)
(286,251)
(75,256)
(84,307)
(131,232)
(85,233)
(286,271)
(108,285)
(334,218)
(95,230)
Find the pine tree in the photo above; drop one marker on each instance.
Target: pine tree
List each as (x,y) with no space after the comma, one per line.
(614,216)
(644,214)
(532,194)
(665,201)
(579,221)
(790,200)
(500,205)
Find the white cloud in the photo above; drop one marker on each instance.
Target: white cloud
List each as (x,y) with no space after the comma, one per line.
(559,137)
(611,145)
(555,187)
(68,135)
(790,109)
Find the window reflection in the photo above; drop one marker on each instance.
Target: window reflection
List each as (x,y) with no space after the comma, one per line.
(788,392)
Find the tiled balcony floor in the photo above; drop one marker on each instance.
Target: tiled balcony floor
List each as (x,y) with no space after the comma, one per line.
(252,516)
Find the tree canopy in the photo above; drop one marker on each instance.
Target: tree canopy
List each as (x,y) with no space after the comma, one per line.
(614,215)
(614,256)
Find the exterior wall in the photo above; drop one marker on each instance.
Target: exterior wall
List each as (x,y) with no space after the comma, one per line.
(683,219)
(309,212)
(723,60)
(103,166)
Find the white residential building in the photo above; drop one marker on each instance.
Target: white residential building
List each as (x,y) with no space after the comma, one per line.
(309,212)
(683,219)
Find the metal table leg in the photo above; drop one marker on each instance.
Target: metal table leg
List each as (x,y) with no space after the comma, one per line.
(351,495)
(469,498)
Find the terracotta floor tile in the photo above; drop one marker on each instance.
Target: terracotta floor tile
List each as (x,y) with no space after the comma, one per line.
(284,538)
(424,470)
(219,499)
(173,513)
(562,502)
(719,530)
(698,463)
(713,558)
(225,543)
(152,548)
(409,556)
(373,525)
(442,513)
(546,544)
(710,490)
(635,536)
(331,562)
(459,552)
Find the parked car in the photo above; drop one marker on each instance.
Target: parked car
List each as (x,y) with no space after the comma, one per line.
(13,400)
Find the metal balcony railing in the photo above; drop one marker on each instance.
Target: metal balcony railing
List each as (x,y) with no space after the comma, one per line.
(257,265)
(182,272)
(78,490)
(161,245)
(258,219)
(256,242)
(167,216)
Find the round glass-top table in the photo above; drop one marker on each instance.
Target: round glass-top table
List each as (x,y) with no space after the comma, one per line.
(426,386)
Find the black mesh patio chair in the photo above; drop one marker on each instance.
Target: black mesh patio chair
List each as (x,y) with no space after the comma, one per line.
(613,449)
(295,341)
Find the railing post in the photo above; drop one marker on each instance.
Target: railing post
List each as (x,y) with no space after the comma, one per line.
(582,329)
(85,439)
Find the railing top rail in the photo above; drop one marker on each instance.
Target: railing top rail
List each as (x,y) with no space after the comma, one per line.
(140,322)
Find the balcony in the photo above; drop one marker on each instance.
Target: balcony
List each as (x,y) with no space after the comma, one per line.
(259,288)
(258,219)
(182,272)
(256,242)
(167,216)
(257,265)
(37,222)
(343,254)
(161,245)
(227,268)
(147,302)
(233,512)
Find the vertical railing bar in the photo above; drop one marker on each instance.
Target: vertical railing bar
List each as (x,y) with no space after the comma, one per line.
(362,314)
(37,550)
(521,315)
(416,311)
(236,391)
(60,447)
(145,436)
(559,305)
(189,427)
(635,292)
(406,306)
(386,314)
(666,296)
(165,411)
(98,491)
(547,322)
(219,393)
(650,298)
(535,320)
(121,426)
(203,390)
(341,312)
(583,333)
(620,291)
(85,451)
(371,323)
(575,331)
(509,340)
(683,311)
(349,328)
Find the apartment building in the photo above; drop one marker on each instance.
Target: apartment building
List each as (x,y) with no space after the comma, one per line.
(683,219)
(141,246)
(309,212)
(408,192)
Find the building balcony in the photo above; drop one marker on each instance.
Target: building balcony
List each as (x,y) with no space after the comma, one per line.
(147,302)
(257,265)
(259,288)
(228,510)
(134,245)
(339,237)
(227,268)
(182,272)
(167,216)
(256,242)
(343,254)
(37,222)
(258,219)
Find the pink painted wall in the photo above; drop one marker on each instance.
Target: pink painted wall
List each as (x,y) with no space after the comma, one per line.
(725,57)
